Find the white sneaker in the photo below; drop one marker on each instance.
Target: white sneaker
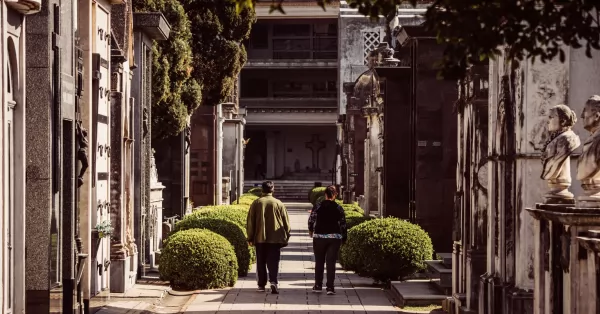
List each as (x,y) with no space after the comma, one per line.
(274,288)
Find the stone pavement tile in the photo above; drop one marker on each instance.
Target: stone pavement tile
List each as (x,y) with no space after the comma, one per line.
(122,307)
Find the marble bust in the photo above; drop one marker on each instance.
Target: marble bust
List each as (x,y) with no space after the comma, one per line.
(588,166)
(556,154)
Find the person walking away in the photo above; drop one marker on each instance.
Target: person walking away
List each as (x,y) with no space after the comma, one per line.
(268,227)
(327,227)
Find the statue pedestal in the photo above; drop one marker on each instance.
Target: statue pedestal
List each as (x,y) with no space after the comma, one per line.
(561,271)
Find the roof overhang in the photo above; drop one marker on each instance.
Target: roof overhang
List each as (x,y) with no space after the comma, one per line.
(297,10)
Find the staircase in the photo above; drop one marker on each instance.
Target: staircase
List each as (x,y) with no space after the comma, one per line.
(433,289)
(287,190)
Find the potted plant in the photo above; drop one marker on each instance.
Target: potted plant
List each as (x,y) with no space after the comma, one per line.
(104,229)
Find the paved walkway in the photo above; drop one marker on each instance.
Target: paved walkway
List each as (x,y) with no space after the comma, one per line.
(354,294)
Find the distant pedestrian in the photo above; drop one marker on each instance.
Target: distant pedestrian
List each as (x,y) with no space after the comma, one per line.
(268,229)
(327,227)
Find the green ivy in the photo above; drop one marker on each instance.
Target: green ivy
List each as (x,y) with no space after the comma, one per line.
(174,93)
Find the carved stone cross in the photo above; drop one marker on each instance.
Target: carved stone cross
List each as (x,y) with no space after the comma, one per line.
(315,145)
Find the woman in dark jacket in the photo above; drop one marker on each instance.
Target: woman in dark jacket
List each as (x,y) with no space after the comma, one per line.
(327,227)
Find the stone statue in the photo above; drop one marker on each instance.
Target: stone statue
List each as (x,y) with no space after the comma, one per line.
(82,151)
(188,138)
(588,166)
(145,121)
(556,154)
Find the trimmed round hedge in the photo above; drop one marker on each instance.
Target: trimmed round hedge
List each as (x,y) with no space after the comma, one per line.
(222,207)
(386,249)
(234,233)
(352,214)
(353,207)
(352,220)
(246,199)
(235,214)
(315,193)
(255,191)
(322,198)
(198,259)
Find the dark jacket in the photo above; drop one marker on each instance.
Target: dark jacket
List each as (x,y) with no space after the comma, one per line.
(328,218)
(268,221)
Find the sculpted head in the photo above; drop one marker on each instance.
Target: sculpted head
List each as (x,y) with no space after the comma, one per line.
(561,118)
(591,114)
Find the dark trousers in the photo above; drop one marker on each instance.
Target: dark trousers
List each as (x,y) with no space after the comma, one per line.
(326,252)
(267,257)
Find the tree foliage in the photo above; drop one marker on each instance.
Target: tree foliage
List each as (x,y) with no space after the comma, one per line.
(218,29)
(174,91)
(529,29)
(473,30)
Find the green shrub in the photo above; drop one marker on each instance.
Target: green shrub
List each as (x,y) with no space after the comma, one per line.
(322,198)
(246,199)
(255,191)
(352,221)
(353,207)
(222,207)
(229,213)
(234,233)
(351,213)
(198,259)
(315,193)
(386,249)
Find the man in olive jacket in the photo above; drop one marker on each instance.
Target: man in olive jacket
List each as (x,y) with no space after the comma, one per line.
(268,229)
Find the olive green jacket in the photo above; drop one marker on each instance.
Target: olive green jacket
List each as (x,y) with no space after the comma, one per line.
(268,221)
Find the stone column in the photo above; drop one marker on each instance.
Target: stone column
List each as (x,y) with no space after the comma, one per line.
(229,149)
(270,158)
(373,151)
(591,242)
(347,157)
(561,269)
(219,155)
(240,154)
(338,157)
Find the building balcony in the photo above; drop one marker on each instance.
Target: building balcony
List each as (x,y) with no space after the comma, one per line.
(312,115)
(291,64)
(25,7)
(300,102)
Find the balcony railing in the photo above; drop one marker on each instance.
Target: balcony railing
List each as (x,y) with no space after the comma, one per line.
(316,47)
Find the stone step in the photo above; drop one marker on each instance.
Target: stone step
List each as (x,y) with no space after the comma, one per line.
(416,293)
(443,287)
(439,271)
(446,258)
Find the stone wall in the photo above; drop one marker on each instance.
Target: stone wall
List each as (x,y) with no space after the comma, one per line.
(520,97)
